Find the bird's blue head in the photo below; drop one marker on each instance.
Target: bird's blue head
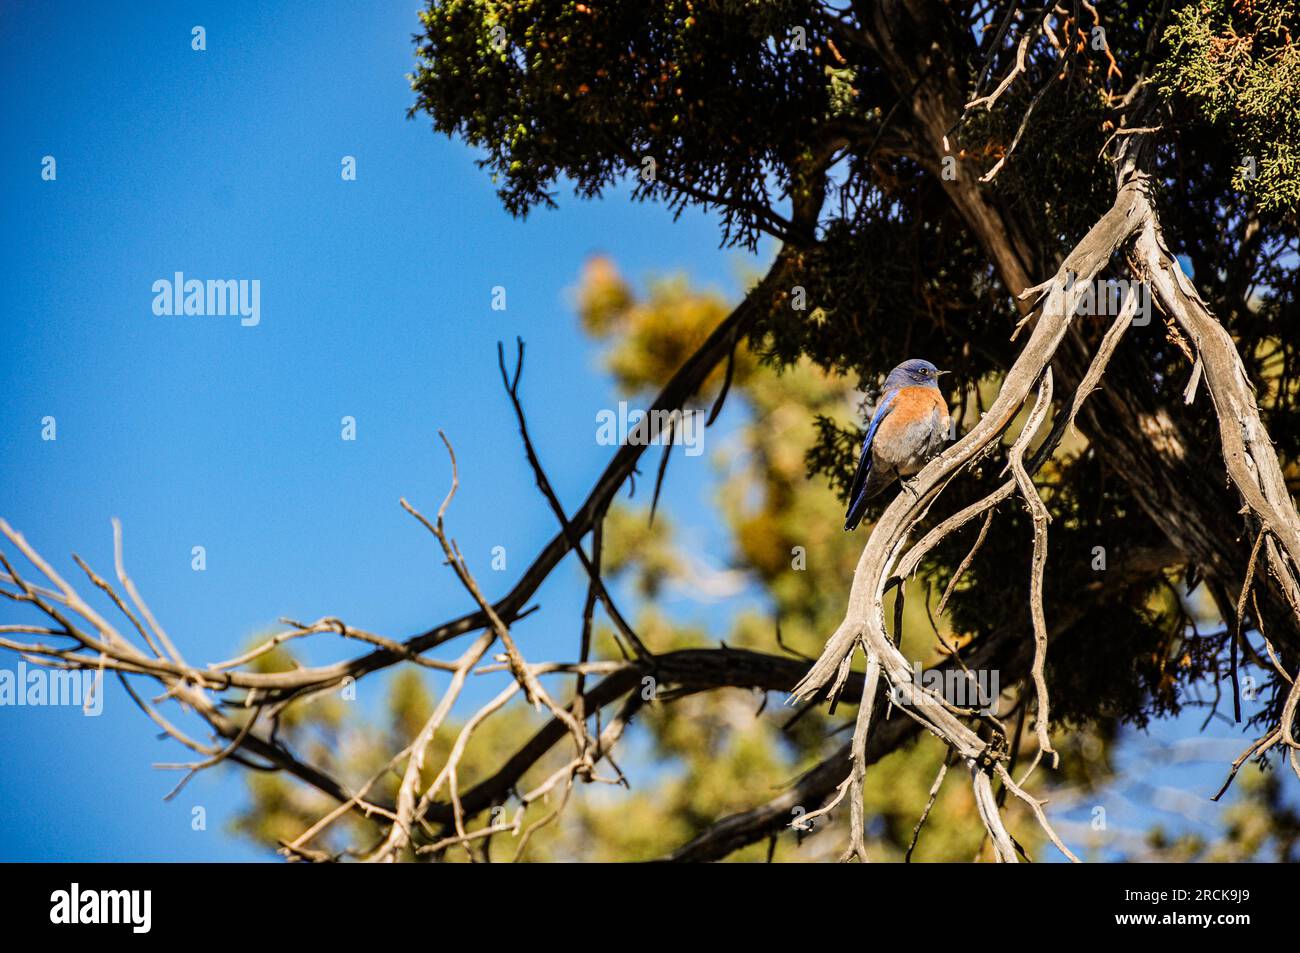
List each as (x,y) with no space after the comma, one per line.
(913,373)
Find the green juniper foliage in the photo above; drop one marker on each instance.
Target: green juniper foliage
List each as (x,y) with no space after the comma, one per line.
(1236,68)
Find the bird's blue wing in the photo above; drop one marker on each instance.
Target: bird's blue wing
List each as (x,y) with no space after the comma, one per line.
(881,413)
(857,493)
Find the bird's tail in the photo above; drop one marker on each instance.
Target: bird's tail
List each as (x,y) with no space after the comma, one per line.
(857,507)
(874,482)
(857,492)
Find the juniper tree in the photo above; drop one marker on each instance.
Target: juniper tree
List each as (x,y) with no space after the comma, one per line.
(919,167)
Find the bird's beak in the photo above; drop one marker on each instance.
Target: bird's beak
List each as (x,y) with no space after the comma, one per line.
(941,373)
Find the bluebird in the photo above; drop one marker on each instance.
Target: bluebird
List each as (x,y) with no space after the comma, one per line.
(910,426)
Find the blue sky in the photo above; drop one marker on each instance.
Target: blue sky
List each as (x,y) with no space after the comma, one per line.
(375,304)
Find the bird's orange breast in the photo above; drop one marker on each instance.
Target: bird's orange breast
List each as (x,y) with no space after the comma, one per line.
(915,427)
(911,406)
